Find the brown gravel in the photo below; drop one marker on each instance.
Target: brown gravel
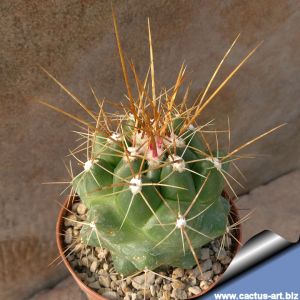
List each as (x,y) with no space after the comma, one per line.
(94,267)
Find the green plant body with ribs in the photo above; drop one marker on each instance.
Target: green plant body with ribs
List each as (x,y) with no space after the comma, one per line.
(154,196)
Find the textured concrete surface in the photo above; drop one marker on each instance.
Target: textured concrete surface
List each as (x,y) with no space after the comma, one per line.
(67,289)
(271,210)
(74,40)
(274,206)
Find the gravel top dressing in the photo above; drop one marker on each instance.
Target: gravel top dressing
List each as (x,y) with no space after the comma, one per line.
(94,267)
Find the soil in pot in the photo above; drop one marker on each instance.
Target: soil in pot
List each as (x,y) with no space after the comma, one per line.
(93,266)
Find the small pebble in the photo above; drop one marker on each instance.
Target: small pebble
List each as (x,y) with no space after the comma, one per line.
(74,264)
(152,290)
(94,285)
(166,295)
(124,287)
(217,268)
(133,296)
(167,287)
(215,246)
(69,220)
(221,254)
(194,290)
(179,285)
(113,285)
(228,242)
(204,285)
(205,276)
(70,257)
(104,290)
(206,265)
(90,279)
(82,218)
(177,273)
(82,276)
(192,280)
(94,266)
(204,253)
(85,261)
(74,206)
(81,209)
(86,251)
(179,294)
(69,236)
(78,247)
(111,295)
(104,280)
(196,272)
(103,272)
(78,226)
(226,260)
(127,290)
(92,258)
(138,282)
(143,294)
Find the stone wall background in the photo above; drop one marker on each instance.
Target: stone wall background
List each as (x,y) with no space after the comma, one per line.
(74,40)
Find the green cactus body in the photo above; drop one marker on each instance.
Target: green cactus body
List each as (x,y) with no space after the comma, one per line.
(141,200)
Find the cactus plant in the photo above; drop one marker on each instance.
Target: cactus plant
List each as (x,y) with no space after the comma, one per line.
(147,190)
(153,185)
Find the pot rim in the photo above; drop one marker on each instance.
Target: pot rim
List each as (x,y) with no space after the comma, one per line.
(94,295)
